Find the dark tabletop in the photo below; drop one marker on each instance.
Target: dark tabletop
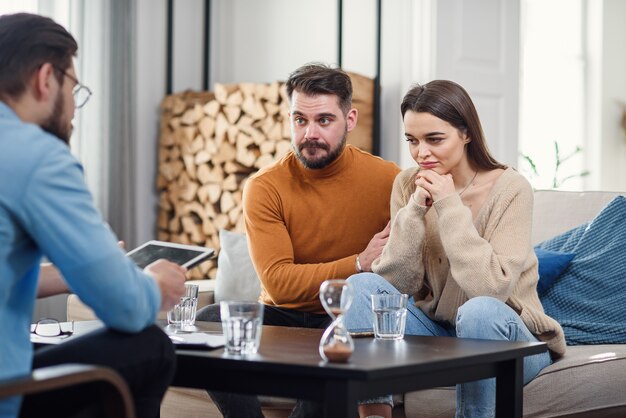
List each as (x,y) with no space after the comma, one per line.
(295,350)
(289,364)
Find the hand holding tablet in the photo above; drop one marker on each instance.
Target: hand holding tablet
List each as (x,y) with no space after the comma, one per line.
(169,272)
(187,256)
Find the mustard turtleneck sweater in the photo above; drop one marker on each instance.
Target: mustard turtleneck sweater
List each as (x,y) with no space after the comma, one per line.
(305,226)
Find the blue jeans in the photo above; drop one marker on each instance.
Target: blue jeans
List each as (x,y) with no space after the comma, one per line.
(480,317)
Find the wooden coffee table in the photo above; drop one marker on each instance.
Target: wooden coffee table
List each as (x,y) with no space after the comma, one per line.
(289,365)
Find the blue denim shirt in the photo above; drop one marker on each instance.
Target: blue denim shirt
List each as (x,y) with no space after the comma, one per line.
(46,209)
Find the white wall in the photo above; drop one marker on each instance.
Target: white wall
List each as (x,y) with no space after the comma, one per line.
(262,41)
(611,138)
(187,45)
(605,140)
(478,47)
(150,90)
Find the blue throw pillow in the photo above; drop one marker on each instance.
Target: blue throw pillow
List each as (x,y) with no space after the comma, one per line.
(588,299)
(551,265)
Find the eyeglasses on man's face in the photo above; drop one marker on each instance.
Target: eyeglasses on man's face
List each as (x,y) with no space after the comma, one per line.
(48,327)
(81,92)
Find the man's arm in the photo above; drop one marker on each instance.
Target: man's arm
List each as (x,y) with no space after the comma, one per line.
(58,213)
(374,249)
(50,282)
(285,283)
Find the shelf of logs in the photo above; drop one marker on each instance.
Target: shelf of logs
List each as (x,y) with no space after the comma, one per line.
(211,142)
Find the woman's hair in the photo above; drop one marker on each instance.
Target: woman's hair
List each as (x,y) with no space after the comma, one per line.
(450,102)
(27,41)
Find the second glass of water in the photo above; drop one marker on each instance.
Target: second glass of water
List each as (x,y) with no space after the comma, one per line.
(242,323)
(389,315)
(183,314)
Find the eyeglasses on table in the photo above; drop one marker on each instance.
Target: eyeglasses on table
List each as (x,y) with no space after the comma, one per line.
(49,327)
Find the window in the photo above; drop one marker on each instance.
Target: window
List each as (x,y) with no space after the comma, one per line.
(552,92)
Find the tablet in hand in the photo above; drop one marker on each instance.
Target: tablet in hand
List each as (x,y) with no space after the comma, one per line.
(185,255)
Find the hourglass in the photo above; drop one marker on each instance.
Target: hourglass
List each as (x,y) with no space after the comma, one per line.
(336,344)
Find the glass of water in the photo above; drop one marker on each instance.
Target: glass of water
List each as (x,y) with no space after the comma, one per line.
(242,323)
(389,315)
(183,314)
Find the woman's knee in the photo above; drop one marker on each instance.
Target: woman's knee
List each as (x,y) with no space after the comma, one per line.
(358,316)
(483,317)
(365,284)
(365,281)
(478,308)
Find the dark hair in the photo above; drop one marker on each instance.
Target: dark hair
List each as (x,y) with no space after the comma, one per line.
(450,102)
(28,41)
(316,78)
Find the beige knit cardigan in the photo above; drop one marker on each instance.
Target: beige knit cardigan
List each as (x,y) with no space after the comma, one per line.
(443,257)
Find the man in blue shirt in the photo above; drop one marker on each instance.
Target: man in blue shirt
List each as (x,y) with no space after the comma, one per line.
(46,210)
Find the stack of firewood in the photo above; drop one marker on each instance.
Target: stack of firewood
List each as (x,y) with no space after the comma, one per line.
(210,142)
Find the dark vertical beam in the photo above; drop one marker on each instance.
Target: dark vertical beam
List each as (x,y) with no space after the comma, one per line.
(377,107)
(169,46)
(206,73)
(339,33)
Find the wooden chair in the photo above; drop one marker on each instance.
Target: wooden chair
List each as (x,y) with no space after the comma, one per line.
(110,390)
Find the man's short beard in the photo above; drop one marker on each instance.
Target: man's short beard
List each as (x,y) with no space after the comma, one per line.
(54,124)
(322,162)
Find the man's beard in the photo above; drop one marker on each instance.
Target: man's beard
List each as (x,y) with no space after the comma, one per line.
(318,163)
(54,124)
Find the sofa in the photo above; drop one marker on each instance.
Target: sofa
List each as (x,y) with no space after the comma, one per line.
(589,381)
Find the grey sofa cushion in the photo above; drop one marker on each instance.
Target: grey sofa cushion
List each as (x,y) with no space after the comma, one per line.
(236,278)
(435,403)
(589,381)
(557,211)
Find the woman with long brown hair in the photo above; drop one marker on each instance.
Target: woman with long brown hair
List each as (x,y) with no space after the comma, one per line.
(460,243)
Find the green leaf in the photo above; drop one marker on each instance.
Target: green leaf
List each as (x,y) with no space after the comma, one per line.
(531,163)
(558,162)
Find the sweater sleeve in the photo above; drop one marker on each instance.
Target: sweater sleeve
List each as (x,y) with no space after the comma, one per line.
(286,283)
(401,262)
(490,265)
(59,215)
(403,188)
